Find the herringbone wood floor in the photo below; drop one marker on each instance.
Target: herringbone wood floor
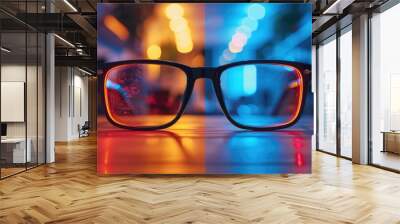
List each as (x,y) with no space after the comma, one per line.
(69,191)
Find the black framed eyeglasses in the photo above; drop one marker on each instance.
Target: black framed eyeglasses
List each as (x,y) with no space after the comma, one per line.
(253,94)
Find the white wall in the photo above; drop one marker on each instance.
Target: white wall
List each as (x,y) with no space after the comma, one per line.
(14,73)
(13,101)
(61,103)
(71,94)
(80,115)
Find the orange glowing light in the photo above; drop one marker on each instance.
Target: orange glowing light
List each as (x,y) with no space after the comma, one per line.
(115,26)
(179,25)
(294,84)
(153,72)
(174,11)
(184,42)
(154,52)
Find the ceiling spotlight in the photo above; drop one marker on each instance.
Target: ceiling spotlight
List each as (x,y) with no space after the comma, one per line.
(65,41)
(5,50)
(79,51)
(84,71)
(337,7)
(70,5)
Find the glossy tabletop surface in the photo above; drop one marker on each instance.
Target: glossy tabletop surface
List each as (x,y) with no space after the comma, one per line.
(204,145)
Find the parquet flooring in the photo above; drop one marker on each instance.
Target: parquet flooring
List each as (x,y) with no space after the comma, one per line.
(69,191)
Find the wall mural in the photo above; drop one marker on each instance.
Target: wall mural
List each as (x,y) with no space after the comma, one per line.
(200,88)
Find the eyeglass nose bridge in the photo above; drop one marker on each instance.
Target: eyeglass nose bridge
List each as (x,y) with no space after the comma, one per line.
(203,72)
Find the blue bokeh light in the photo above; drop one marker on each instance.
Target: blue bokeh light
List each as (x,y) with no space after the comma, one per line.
(256,11)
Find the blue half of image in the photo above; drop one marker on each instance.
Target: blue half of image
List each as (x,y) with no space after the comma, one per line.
(256,31)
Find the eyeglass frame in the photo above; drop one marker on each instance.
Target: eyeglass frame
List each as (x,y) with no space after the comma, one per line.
(214,74)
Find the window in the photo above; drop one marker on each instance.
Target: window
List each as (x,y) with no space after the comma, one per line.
(22,88)
(385,89)
(327,96)
(345,93)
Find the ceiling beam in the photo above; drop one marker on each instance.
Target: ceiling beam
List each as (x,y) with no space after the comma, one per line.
(78,61)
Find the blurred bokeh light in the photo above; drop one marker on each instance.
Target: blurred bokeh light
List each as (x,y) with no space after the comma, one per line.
(207,35)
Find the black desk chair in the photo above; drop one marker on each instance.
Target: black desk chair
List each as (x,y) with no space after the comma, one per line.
(84,130)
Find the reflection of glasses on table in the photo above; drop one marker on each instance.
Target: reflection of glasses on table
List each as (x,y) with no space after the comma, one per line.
(255,94)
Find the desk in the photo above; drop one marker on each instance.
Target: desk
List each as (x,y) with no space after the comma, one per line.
(203,145)
(391,141)
(15,148)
